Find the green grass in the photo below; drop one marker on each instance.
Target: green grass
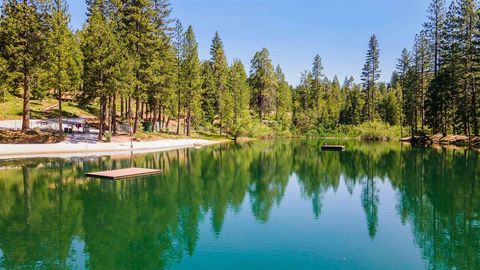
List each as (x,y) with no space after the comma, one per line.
(11,109)
(369,131)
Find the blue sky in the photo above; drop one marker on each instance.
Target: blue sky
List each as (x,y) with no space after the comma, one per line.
(295,30)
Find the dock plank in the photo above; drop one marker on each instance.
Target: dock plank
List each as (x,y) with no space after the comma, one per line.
(122,174)
(328,147)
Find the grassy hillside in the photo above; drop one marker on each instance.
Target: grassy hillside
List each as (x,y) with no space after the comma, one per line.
(11,109)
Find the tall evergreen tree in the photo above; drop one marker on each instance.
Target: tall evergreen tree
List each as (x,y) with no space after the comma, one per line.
(370,75)
(283,100)
(262,81)
(191,73)
(435,30)
(106,67)
(140,32)
(23,27)
(179,46)
(318,88)
(403,64)
(239,96)
(64,55)
(220,73)
(469,35)
(209,93)
(422,62)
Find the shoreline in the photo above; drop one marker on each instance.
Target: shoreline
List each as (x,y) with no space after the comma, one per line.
(63,149)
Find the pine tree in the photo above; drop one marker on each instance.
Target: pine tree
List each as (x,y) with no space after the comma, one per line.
(140,30)
(209,93)
(239,97)
(162,15)
(403,64)
(318,88)
(220,72)
(422,62)
(435,30)
(469,35)
(64,55)
(370,75)
(262,81)
(168,82)
(23,27)
(106,66)
(191,74)
(351,113)
(283,100)
(3,78)
(179,46)
(304,116)
(449,78)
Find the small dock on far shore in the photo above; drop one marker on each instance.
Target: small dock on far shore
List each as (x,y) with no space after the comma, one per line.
(329,147)
(123,174)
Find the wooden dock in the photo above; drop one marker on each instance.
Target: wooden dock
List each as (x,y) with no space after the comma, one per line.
(124,173)
(328,147)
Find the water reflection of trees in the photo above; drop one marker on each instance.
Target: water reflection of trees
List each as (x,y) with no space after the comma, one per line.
(152,223)
(436,189)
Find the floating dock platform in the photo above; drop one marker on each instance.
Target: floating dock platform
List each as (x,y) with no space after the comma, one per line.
(328,147)
(124,173)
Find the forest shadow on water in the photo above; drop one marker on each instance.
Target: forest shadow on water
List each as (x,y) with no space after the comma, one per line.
(258,205)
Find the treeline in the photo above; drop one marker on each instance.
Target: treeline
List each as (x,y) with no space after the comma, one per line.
(438,77)
(135,63)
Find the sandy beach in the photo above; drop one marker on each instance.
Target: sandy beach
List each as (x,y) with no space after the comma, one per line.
(68,149)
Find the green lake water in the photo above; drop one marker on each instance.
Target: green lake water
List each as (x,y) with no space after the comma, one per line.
(263,205)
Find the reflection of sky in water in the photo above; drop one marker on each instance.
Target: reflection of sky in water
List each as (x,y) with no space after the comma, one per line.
(77,256)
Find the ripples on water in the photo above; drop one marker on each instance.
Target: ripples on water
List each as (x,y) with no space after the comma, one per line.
(261,205)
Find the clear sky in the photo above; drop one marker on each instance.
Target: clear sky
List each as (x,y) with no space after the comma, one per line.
(295,30)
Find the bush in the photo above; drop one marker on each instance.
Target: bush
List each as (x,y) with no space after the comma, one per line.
(258,130)
(374,131)
(377,131)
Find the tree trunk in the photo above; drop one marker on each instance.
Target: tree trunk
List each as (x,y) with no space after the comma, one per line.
(167,123)
(109,115)
(154,115)
(189,121)
(178,111)
(100,129)
(137,114)
(159,117)
(121,107)
(114,114)
(60,126)
(26,102)
(129,110)
(474,110)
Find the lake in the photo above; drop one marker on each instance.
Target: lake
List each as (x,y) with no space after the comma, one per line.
(280,204)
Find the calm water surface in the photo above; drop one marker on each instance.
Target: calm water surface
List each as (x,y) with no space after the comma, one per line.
(261,205)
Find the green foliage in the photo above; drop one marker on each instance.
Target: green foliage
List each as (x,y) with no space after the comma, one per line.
(389,108)
(191,75)
(377,131)
(128,53)
(263,83)
(283,101)
(23,28)
(370,75)
(255,129)
(223,101)
(237,100)
(209,93)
